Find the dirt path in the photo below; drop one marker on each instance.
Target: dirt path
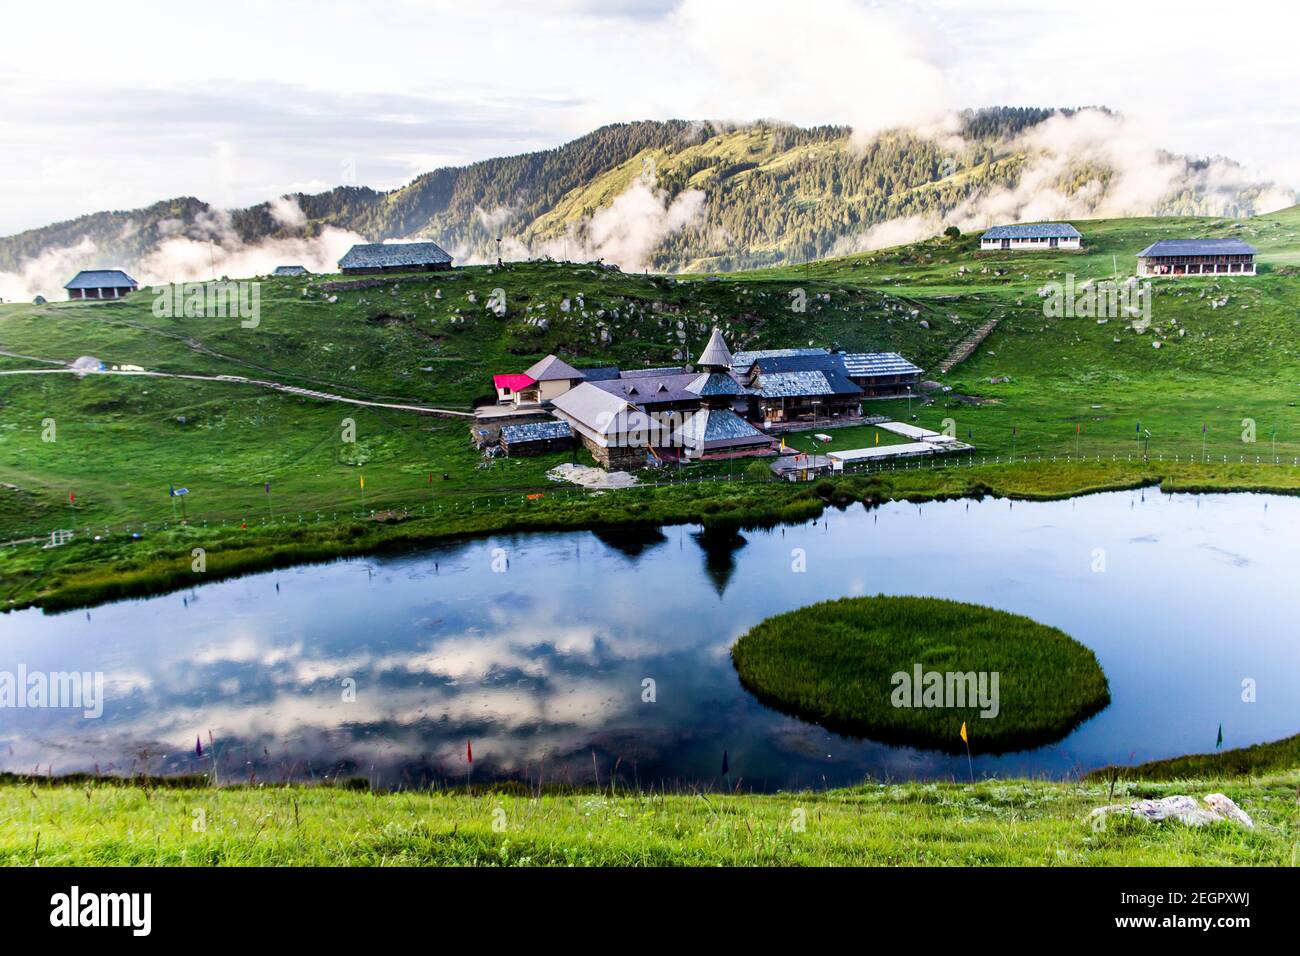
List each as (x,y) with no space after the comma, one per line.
(261,383)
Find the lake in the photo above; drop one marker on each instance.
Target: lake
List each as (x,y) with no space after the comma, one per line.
(560,657)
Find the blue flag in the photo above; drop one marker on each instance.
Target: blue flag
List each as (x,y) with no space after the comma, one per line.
(724,763)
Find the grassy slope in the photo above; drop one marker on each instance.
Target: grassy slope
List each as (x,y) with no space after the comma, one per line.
(990,823)
(122,441)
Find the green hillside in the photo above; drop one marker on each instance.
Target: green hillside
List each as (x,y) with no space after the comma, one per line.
(769,194)
(1065,388)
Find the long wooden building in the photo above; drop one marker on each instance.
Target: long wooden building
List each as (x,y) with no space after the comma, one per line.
(1193,257)
(371,257)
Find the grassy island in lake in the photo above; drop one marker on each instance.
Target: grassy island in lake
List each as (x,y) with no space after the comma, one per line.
(911,670)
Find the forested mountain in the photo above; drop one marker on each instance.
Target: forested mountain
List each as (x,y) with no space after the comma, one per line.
(688,195)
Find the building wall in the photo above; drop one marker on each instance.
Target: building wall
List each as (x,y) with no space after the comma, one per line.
(370,270)
(1029,245)
(105,293)
(1241,265)
(801,407)
(521,449)
(551,390)
(613,458)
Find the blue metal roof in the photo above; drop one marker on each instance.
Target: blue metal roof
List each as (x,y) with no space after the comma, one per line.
(1197,247)
(535,431)
(821,361)
(393,255)
(740,361)
(604,373)
(1034,230)
(289,271)
(102,279)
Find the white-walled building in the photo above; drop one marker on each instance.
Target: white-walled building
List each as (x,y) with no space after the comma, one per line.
(1031,237)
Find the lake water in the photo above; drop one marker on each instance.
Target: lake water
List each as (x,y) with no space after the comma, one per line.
(537,648)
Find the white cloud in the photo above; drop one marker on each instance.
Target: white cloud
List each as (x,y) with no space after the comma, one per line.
(625,232)
(252,119)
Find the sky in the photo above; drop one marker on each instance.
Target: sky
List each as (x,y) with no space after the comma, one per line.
(239,102)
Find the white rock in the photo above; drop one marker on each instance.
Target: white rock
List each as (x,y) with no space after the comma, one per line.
(1215,808)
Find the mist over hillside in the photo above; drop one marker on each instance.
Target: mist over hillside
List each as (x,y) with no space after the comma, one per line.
(675,196)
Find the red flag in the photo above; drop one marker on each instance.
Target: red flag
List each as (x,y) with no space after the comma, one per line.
(72,499)
(430,477)
(469,751)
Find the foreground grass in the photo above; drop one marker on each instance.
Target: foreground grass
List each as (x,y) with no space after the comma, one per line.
(835,663)
(995,823)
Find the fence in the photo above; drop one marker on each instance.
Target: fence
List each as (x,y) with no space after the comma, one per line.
(469,502)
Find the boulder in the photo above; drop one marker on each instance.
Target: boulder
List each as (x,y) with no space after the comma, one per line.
(1214,808)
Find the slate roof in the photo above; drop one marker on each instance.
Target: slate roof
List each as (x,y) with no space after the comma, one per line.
(393,255)
(804,384)
(714,383)
(1034,230)
(1197,247)
(102,279)
(289,271)
(552,369)
(653,390)
(715,354)
(535,431)
(712,428)
(866,364)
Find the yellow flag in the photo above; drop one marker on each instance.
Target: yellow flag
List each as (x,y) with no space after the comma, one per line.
(363,482)
(963,732)
(877,438)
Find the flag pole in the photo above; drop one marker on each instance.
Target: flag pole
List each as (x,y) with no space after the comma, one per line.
(966,740)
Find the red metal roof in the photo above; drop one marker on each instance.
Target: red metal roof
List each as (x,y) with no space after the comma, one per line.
(513,381)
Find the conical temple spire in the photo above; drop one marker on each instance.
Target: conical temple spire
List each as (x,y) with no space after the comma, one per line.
(716,354)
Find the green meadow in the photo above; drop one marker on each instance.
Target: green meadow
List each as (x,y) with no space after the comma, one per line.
(1054,406)
(990,823)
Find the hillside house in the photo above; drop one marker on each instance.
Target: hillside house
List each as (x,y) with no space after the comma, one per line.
(290,271)
(1191,257)
(100,284)
(372,257)
(1031,237)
